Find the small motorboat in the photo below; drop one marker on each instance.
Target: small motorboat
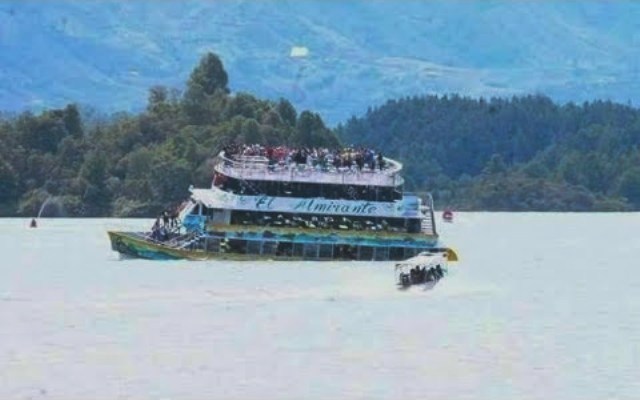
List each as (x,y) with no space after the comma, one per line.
(447,215)
(427,268)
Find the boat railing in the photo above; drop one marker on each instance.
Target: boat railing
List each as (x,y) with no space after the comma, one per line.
(175,241)
(429,213)
(427,216)
(260,168)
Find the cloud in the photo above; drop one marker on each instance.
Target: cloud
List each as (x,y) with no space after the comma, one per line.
(299,51)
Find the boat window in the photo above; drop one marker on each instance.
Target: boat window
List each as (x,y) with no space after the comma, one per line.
(326,251)
(298,249)
(254,247)
(396,253)
(365,253)
(311,251)
(381,254)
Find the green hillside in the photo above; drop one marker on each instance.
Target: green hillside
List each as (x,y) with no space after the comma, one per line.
(523,153)
(136,165)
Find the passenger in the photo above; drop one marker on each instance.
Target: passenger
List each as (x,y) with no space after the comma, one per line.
(439,271)
(174,218)
(165,217)
(161,234)
(414,275)
(405,280)
(380,161)
(422,274)
(429,275)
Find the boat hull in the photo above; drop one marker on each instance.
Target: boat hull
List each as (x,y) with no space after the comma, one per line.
(139,245)
(136,245)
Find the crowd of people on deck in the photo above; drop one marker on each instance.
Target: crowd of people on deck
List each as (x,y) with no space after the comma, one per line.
(349,157)
(337,223)
(166,224)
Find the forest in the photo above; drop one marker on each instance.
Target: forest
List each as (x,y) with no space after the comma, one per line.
(521,153)
(138,165)
(518,154)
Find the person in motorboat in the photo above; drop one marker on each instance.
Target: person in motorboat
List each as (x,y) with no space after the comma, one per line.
(429,276)
(155,229)
(433,274)
(405,279)
(422,274)
(415,272)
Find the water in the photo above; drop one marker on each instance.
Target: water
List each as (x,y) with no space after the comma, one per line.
(541,306)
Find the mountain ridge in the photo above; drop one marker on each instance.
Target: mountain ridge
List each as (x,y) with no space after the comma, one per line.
(361,54)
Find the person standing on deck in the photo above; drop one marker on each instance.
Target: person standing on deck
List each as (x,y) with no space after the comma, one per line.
(165,218)
(380,161)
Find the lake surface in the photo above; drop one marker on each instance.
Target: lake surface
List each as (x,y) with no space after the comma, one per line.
(541,306)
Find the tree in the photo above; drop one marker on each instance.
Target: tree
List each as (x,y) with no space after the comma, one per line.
(495,165)
(170,179)
(71,154)
(41,133)
(207,81)
(157,100)
(8,182)
(310,130)
(96,194)
(287,112)
(72,120)
(242,104)
(209,75)
(194,105)
(139,163)
(629,186)
(251,132)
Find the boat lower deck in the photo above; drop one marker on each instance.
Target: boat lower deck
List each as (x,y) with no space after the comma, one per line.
(211,246)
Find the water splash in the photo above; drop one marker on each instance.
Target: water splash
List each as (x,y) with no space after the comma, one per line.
(42,207)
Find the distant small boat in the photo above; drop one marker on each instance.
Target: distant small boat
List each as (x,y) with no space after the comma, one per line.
(33,223)
(427,268)
(447,216)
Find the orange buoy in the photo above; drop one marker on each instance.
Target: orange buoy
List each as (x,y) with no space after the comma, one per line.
(447,215)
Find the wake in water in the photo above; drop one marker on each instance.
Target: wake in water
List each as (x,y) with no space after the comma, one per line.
(319,281)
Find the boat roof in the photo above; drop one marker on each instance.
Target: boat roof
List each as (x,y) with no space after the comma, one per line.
(259,168)
(423,258)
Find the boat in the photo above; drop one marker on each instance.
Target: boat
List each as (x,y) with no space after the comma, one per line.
(426,269)
(447,215)
(293,204)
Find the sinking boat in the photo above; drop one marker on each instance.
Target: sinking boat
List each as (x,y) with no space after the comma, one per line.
(268,206)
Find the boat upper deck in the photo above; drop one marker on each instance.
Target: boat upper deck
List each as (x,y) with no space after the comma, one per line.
(379,171)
